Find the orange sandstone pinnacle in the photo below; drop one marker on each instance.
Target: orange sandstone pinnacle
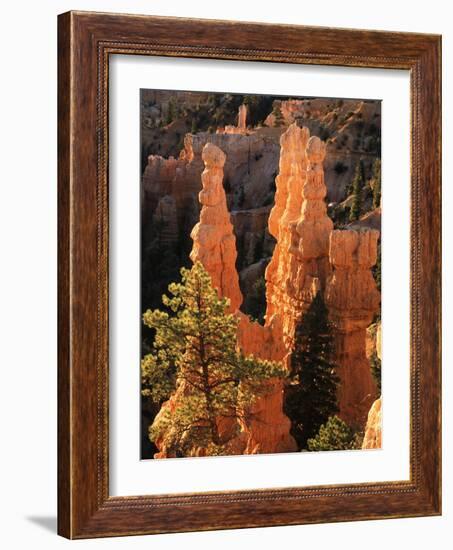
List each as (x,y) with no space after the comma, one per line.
(373,429)
(353,299)
(214,243)
(299,222)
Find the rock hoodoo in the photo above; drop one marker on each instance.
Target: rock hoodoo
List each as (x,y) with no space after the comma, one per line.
(353,299)
(241,127)
(299,221)
(214,243)
(242,117)
(373,429)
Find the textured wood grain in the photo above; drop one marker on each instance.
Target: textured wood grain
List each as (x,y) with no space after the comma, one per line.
(64,370)
(85,42)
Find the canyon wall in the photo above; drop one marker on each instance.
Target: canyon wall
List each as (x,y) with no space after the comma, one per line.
(251,161)
(350,128)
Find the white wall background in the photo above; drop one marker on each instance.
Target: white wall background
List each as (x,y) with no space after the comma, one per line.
(28,122)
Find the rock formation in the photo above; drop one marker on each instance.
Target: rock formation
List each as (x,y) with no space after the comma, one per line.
(353,299)
(242,117)
(373,340)
(241,127)
(177,178)
(373,429)
(251,162)
(299,221)
(214,243)
(350,128)
(267,429)
(308,257)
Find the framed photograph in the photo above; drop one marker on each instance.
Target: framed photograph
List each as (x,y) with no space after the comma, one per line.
(249,275)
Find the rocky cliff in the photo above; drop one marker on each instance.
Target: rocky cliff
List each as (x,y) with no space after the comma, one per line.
(350,128)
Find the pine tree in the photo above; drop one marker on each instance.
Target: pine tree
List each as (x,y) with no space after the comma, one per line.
(357,184)
(377,183)
(195,346)
(255,301)
(171,112)
(311,396)
(376,270)
(335,435)
(375,364)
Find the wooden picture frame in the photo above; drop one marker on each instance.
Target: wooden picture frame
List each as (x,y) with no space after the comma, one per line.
(85,42)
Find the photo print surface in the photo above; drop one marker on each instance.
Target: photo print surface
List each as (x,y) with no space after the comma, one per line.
(260,274)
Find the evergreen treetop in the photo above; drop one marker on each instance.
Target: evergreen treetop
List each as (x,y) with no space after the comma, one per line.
(335,435)
(278,116)
(311,396)
(377,183)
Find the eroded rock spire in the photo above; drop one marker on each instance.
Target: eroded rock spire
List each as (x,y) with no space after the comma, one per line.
(299,222)
(353,299)
(214,243)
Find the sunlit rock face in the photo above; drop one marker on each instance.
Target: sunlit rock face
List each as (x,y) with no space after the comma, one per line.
(214,243)
(373,429)
(351,126)
(353,299)
(299,221)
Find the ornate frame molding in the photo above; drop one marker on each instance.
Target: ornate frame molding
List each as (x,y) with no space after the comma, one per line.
(86,40)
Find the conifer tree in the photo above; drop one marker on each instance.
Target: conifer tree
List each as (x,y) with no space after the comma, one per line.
(335,435)
(377,183)
(311,395)
(375,364)
(195,347)
(171,112)
(255,301)
(376,270)
(194,127)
